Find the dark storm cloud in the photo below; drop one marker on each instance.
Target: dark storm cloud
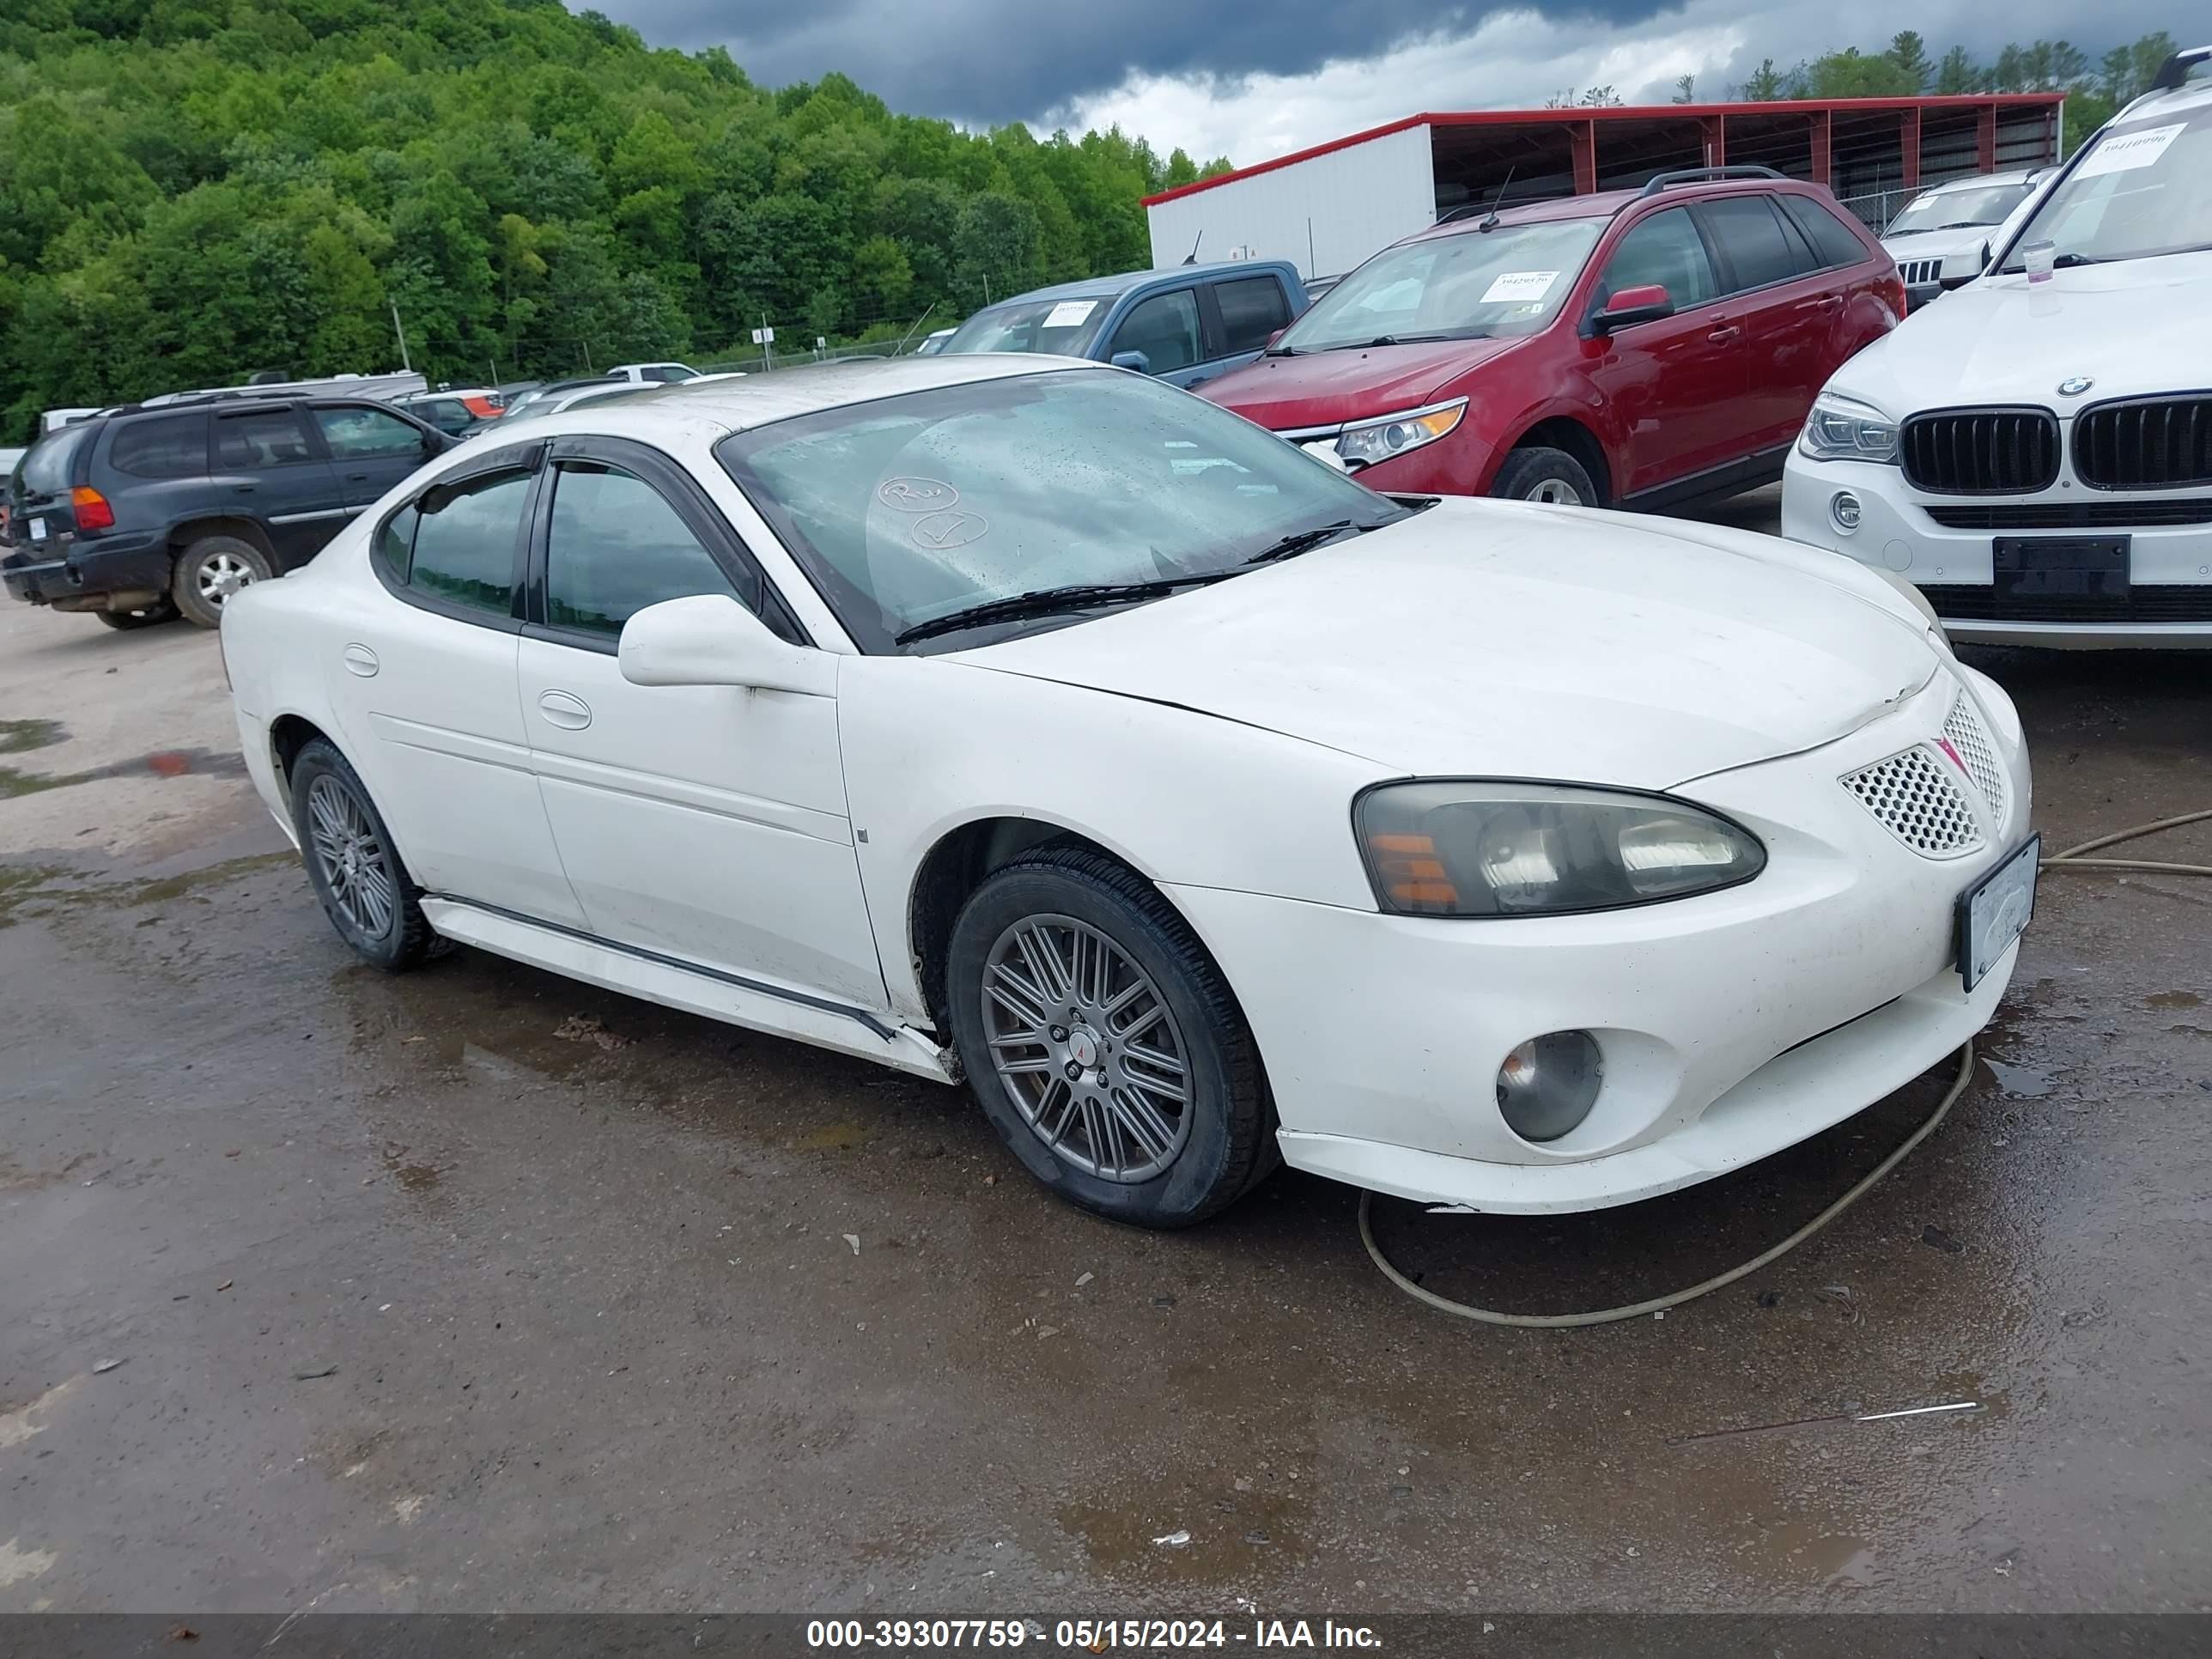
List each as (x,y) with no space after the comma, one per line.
(1004,60)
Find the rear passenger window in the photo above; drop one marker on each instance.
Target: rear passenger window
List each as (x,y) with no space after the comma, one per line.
(1752,241)
(1252,308)
(466,536)
(1664,250)
(1831,239)
(269,437)
(171,447)
(616,546)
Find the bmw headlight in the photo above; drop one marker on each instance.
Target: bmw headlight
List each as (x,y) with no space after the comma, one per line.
(1392,435)
(1477,848)
(1842,428)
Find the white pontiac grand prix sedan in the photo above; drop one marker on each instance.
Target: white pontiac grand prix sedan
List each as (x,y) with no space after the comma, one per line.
(1036,723)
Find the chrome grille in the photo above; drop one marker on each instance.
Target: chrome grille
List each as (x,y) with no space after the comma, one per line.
(1964,727)
(1917,797)
(2153,443)
(1969,451)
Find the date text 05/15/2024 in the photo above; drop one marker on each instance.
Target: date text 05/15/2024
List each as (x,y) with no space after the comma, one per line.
(1086,1635)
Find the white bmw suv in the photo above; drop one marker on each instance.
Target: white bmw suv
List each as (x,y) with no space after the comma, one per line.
(2034,452)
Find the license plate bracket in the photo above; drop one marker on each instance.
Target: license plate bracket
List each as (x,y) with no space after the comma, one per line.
(1996,910)
(2062,566)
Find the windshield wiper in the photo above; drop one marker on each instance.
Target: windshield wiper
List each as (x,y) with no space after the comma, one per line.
(1281,351)
(1051,601)
(1305,541)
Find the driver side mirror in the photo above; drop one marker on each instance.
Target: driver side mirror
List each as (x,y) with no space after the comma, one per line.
(1647,303)
(709,639)
(1136,360)
(1962,267)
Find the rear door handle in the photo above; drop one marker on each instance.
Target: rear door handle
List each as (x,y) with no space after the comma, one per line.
(564,710)
(359,659)
(357,477)
(1826,301)
(241,489)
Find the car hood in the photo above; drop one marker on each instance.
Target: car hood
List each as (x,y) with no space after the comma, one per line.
(1328,388)
(1506,640)
(2000,340)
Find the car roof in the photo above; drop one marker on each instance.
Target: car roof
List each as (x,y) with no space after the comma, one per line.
(1982,180)
(1107,288)
(1600,204)
(756,400)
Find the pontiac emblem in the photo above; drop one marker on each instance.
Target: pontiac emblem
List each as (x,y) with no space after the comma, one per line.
(2074,385)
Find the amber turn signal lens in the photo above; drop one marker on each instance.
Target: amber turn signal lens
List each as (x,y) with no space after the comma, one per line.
(1412,873)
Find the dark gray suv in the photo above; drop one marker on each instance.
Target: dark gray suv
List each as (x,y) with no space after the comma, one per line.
(147,513)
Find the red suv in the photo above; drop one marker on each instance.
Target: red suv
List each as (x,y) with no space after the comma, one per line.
(1635,349)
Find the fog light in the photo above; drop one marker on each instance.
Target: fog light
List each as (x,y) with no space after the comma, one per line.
(1844,510)
(1548,1084)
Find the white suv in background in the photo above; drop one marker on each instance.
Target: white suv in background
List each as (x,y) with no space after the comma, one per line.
(1950,218)
(2035,452)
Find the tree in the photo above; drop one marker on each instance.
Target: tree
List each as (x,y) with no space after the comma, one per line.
(1956,74)
(1764,84)
(1908,53)
(1686,89)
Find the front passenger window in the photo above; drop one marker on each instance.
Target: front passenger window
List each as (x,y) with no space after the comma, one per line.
(616,546)
(1164,328)
(1665,249)
(466,536)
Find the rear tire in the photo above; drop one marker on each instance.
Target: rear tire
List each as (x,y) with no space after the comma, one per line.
(1169,1120)
(211,572)
(366,891)
(161,610)
(1542,474)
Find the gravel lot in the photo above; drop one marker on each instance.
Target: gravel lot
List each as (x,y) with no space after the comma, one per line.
(479,1288)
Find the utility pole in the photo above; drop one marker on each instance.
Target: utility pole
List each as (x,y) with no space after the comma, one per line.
(404,363)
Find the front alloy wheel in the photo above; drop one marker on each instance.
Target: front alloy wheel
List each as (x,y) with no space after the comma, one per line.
(1087,1048)
(1104,1043)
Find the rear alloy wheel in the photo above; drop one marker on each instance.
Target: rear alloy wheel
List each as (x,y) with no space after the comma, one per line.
(213,571)
(355,871)
(1551,476)
(161,610)
(1103,1044)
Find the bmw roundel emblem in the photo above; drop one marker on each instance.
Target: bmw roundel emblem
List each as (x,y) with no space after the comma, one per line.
(2074,385)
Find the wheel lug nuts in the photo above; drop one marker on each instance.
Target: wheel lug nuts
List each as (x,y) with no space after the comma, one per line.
(1059,1034)
(1074,1071)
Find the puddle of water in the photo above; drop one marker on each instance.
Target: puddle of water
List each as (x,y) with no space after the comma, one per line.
(2019,1082)
(2173,999)
(163,763)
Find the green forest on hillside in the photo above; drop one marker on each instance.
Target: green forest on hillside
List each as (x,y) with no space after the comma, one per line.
(191,190)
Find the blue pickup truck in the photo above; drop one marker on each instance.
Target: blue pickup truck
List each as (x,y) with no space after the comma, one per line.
(1186,325)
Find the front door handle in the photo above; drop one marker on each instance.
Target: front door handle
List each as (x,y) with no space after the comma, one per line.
(359,659)
(564,710)
(1725,332)
(357,477)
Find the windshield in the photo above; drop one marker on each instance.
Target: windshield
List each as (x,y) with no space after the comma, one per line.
(1064,327)
(2142,190)
(1507,280)
(909,509)
(1986,204)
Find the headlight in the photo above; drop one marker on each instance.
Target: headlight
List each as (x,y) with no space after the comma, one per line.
(1393,434)
(1843,429)
(1475,848)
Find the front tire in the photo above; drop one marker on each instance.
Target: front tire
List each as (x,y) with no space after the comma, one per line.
(213,571)
(1103,1044)
(366,891)
(1542,474)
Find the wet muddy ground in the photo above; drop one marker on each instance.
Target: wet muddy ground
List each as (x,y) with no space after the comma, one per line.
(479,1288)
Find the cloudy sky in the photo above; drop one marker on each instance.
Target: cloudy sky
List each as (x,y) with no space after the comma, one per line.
(1253,78)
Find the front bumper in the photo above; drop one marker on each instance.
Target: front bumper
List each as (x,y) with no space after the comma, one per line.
(1732,1025)
(2172,571)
